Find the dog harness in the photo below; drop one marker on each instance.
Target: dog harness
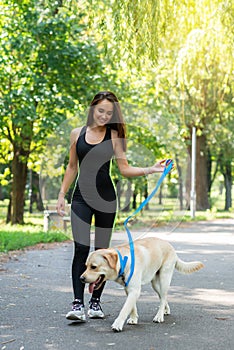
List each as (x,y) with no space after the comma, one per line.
(123,262)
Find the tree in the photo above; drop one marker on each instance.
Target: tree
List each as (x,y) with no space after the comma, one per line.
(48,65)
(204,70)
(222,147)
(193,81)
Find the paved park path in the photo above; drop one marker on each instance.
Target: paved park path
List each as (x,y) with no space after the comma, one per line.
(35,294)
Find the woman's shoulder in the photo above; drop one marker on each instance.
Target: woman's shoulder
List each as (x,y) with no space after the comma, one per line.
(75,133)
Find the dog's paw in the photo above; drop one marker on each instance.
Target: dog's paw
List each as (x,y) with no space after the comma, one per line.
(132,320)
(158,318)
(167,310)
(117,326)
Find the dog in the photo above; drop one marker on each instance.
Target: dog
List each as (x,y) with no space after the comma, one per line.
(155,260)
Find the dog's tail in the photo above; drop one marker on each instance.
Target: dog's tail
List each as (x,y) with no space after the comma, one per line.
(188,267)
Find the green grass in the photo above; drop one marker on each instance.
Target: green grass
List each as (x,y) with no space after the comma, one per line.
(18,237)
(21,236)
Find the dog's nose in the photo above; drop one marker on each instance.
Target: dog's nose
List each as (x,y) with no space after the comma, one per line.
(82,278)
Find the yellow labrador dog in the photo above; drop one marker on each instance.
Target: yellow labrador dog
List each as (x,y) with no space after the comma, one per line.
(155,260)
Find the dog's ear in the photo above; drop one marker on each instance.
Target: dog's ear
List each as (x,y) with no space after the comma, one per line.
(111,258)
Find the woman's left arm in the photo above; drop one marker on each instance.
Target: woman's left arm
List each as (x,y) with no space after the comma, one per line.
(128,170)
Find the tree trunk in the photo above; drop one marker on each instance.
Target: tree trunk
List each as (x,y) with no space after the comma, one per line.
(180,182)
(134,203)
(19,172)
(202,176)
(118,192)
(1,194)
(160,196)
(128,195)
(202,187)
(30,192)
(209,177)
(35,196)
(146,193)
(8,218)
(227,174)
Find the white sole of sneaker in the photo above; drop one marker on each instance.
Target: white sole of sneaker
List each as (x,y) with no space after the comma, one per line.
(95,316)
(73,317)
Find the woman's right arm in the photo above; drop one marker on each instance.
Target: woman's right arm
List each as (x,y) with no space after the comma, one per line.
(70,173)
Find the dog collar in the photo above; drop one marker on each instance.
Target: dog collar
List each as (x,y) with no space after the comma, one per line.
(123,263)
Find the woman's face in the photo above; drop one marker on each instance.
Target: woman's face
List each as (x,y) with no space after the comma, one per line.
(102,113)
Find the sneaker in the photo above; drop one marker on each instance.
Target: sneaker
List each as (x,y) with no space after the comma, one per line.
(95,310)
(77,313)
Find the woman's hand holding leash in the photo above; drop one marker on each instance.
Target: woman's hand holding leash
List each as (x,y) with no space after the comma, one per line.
(159,167)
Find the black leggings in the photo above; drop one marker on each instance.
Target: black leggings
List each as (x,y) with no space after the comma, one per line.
(81,217)
(78,267)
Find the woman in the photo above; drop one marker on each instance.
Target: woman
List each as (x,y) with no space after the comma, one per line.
(92,147)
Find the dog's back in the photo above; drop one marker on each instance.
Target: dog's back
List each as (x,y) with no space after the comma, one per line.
(152,253)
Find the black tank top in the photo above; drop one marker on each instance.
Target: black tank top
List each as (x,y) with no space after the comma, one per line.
(94,184)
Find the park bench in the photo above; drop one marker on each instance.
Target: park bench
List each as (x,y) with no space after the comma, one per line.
(53,221)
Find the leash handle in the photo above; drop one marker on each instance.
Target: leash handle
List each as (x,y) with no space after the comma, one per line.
(167,169)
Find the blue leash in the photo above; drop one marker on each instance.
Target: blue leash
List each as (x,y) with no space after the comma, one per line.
(123,261)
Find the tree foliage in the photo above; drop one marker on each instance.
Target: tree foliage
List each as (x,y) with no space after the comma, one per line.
(193,83)
(170,63)
(48,65)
